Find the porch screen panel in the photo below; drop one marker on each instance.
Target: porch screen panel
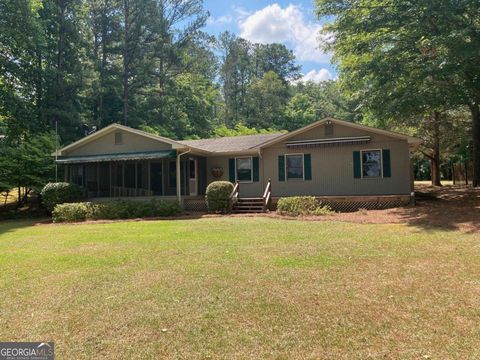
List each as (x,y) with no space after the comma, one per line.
(91,179)
(172,174)
(117,174)
(156,178)
(202,174)
(130,175)
(104,179)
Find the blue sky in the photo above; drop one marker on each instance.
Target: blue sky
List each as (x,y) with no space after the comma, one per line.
(291,23)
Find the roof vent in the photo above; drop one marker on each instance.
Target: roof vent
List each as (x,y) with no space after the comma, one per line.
(118,138)
(328,128)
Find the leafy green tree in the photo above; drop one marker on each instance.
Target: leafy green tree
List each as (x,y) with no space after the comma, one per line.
(267,98)
(400,60)
(312,102)
(243,64)
(240,129)
(21,76)
(276,58)
(27,164)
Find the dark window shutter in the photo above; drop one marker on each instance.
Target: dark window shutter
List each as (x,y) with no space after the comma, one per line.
(256,168)
(387,168)
(281,168)
(357,166)
(307,167)
(231,169)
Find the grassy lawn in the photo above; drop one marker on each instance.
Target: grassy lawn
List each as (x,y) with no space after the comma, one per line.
(237,287)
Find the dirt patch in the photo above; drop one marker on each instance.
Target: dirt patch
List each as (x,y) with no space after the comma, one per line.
(447,207)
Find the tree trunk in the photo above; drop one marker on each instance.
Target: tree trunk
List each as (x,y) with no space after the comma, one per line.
(435,160)
(126,60)
(474,108)
(103,65)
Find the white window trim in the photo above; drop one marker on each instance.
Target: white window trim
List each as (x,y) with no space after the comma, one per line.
(381,164)
(285,165)
(251,170)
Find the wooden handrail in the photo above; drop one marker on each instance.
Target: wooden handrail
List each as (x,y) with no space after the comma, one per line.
(234,195)
(234,192)
(267,188)
(266,194)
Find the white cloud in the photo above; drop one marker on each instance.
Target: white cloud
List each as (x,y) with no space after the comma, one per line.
(316,76)
(224,19)
(288,26)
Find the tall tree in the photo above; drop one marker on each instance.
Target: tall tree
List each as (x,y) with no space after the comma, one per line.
(311,102)
(21,75)
(266,102)
(403,57)
(62,60)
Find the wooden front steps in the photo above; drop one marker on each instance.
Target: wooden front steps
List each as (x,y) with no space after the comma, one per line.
(249,205)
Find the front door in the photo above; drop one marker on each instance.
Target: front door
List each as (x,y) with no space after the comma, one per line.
(193,177)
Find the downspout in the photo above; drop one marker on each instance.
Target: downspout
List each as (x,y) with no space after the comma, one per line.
(179,184)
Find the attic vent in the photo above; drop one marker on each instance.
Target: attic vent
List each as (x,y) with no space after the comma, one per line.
(328,129)
(118,138)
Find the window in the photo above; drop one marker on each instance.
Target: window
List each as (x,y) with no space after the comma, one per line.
(244,169)
(118,138)
(294,166)
(371,164)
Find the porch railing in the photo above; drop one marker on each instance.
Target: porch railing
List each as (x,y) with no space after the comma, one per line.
(127,192)
(267,194)
(234,194)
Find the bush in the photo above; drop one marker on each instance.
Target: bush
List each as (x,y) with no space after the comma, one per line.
(302,205)
(58,193)
(111,210)
(71,212)
(218,196)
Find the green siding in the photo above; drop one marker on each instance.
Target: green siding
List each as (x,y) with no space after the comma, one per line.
(387,168)
(231,169)
(256,168)
(281,168)
(307,165)
(357,166)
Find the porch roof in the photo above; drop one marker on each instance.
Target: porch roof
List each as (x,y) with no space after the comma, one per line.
(146,155)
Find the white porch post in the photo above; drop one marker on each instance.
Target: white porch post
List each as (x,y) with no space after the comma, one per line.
(179,188)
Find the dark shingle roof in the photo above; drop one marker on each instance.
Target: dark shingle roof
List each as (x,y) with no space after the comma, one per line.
(231,144)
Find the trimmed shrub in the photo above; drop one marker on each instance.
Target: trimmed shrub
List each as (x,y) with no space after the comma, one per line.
(217,196)
(71,212)
(302,205)
(58,193)
(111,210)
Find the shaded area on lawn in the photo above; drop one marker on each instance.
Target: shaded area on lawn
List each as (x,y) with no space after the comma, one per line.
(448,207)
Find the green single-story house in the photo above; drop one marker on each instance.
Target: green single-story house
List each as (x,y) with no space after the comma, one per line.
(337,161)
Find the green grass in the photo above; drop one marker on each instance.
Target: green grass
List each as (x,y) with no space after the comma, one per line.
(233,287)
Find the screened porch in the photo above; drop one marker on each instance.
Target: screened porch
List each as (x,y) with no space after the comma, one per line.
(138,178)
